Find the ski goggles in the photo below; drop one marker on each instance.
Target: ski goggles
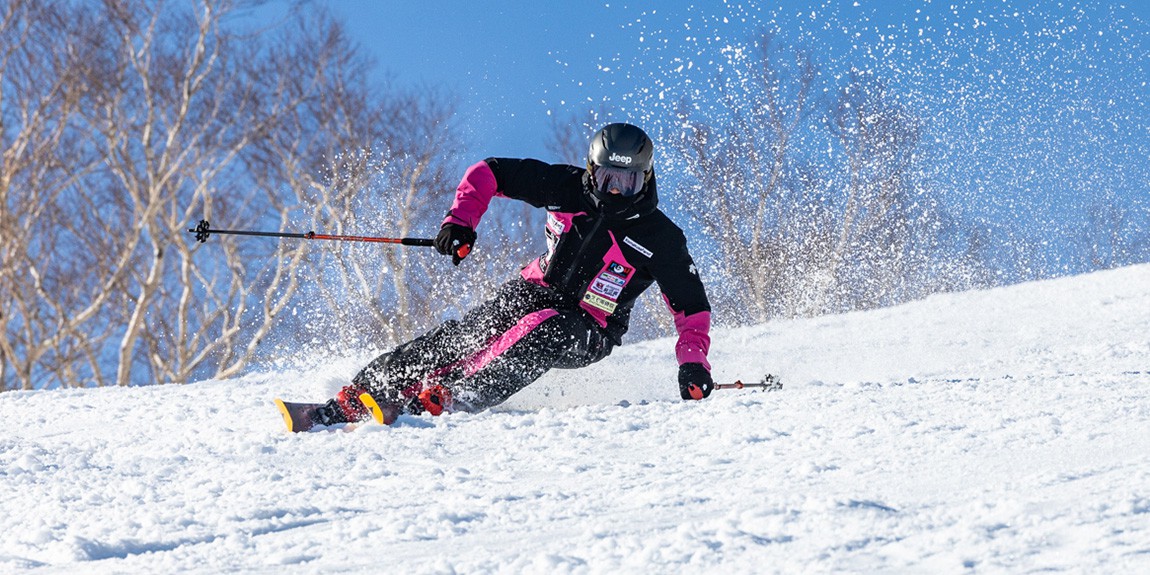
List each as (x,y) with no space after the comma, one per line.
(608,178)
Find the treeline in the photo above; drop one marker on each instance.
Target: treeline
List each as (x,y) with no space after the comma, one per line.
(807,189)
(123,123)
(814,193)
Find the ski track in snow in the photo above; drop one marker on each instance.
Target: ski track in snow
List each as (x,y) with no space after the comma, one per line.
(995,431)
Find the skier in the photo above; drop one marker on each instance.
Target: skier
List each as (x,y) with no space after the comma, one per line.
(607,242)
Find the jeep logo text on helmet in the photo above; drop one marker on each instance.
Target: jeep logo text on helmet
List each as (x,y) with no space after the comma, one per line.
(623,146)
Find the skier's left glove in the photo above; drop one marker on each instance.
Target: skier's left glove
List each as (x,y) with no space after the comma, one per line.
(694,381)
(455,240)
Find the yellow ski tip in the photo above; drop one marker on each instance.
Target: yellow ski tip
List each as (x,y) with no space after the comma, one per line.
(384,415)
(287,416)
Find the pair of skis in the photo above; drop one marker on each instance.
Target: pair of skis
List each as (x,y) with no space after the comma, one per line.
(299,416)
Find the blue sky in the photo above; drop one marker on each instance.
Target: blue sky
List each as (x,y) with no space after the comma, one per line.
(510,63)
(513,62)
(1035,108)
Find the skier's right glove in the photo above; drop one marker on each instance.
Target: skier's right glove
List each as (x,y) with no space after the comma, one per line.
(455,240)
(594,347)
(694,381)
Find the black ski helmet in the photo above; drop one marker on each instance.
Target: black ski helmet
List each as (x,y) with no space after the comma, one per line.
(619,148)
(623,146)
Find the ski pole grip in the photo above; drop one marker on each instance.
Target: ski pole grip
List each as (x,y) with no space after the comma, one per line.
(463,251)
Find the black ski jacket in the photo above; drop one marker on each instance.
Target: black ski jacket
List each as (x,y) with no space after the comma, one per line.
(595,261)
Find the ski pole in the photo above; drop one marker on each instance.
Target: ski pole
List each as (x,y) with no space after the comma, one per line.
(204,230)
(769,383)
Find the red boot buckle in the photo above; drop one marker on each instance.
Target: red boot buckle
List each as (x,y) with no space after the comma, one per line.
(435,399)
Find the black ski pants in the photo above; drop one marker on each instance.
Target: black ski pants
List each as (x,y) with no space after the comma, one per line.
(495,350)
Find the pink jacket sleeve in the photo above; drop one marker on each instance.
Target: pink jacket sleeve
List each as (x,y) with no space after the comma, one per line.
(473,196)
(694,337)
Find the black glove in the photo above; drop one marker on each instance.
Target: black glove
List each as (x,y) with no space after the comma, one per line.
(455,240)
(597,347)
(694,381)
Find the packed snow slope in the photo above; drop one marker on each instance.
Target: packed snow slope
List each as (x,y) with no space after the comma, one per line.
(1000,431)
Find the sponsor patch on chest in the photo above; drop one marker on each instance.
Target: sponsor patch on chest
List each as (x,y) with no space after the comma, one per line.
(603,293)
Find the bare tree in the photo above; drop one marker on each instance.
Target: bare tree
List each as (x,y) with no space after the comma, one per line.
(816,206)
(46,294)
(350,162)
(879,138)
(398,187)
(1114,233)
(741,165)
(166,116)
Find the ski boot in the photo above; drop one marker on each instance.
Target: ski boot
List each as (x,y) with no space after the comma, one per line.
(345,407)
(416,400)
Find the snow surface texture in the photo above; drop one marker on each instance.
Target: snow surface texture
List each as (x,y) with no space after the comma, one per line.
(995,431)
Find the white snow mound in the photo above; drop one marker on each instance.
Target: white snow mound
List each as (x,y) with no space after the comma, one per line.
(1002,431)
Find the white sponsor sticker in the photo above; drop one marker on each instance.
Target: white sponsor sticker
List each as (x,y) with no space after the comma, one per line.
(606,288)
(556,224)
(634,244)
